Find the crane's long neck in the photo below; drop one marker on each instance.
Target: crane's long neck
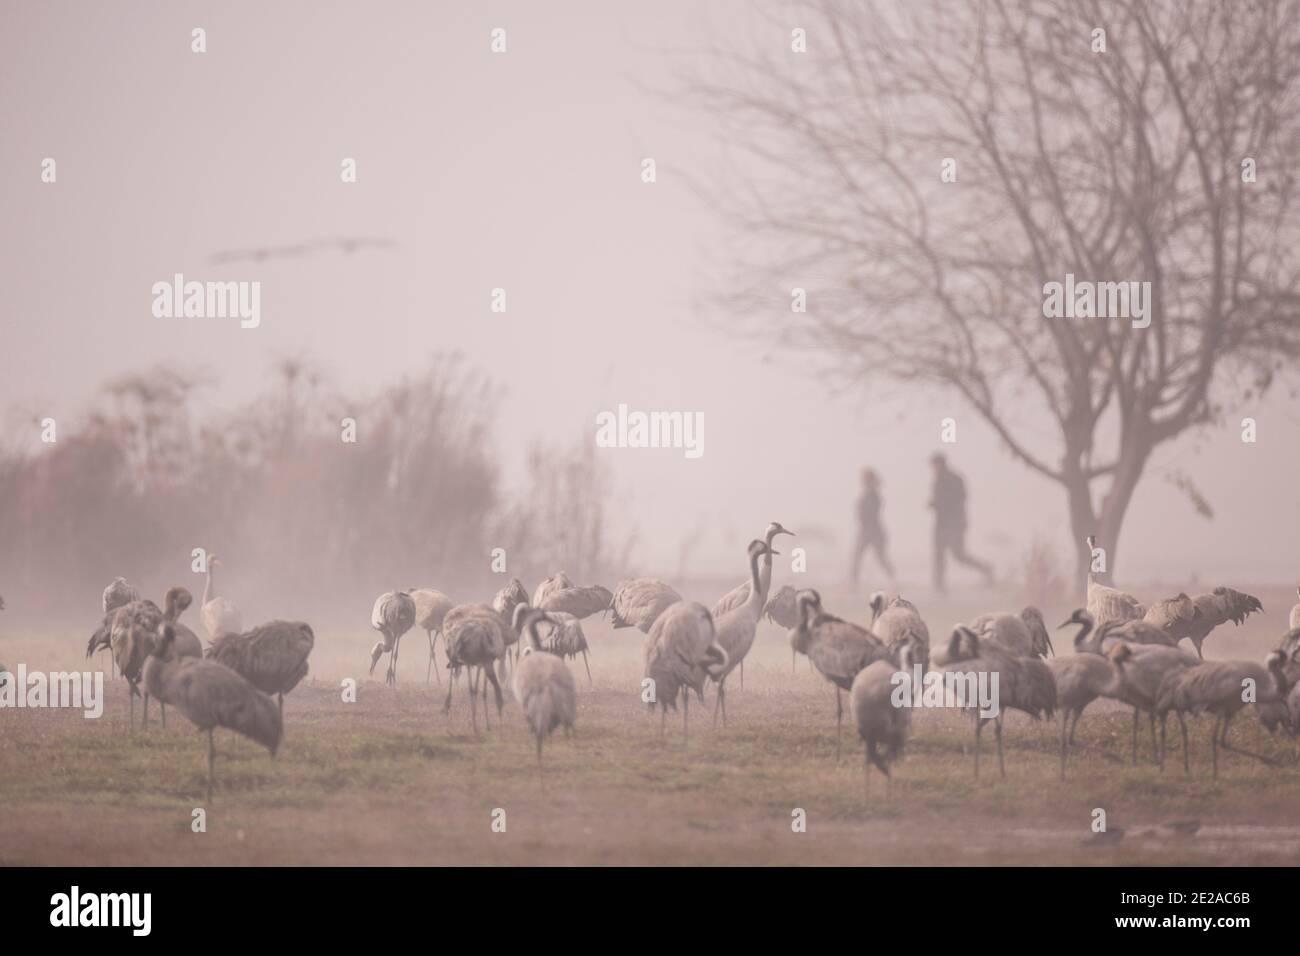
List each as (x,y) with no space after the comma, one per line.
(1081,639)
(757,590)
(534,641)
(209,592)
(766,572)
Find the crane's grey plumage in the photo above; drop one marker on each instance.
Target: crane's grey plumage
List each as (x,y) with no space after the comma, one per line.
(740,593)
(734,630)
(211,695)
(1024,683)
(1153,652)
(1285,714)
(272,656)
(680,654)
(1023,634)
(392,616)
(564,636)
(882,726)
(119,594)
(133,634)
(1080,679)
(431,607)
(219,614)
(1219,688)
(1294,621)
(1175,616)
(579,602)
(510,597)
(1217,607)
(475,637)
(556,582)
(639,602)
(1107,604)
(836,648)
(899,621)
(782,610)
(542,684)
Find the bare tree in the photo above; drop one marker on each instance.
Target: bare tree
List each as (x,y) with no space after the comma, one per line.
(1168,157)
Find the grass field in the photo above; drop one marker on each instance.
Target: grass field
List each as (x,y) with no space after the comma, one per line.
(390,780)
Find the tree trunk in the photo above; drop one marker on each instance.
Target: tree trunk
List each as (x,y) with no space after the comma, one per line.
(1106,526)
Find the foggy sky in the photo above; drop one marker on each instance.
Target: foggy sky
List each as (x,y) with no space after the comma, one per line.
(522,171)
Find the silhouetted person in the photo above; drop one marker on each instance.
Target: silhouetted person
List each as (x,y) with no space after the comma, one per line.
(948,499)
(871,533)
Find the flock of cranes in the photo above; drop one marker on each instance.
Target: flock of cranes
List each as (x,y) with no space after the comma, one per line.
(1123,651)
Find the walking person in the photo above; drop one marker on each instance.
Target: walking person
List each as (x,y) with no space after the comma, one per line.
(871,533)
(948,500)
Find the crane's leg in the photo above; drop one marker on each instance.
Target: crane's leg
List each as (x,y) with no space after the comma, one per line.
(1151,718)
(794,656)
(1160,754)
(281,703)
(717,702)
(663,719)
(979,725)
(163,708)
(473,701)
(1074,722)
(1182,722)
(742,676)
(451,684)
(839,720)
(1238,750)
(1065,720)
(997,729)
(588,666)
(433,662)
(866,772)
(1214,747)
(686,716)
(392,663)
(1134,760)
(496,693)
(212,752)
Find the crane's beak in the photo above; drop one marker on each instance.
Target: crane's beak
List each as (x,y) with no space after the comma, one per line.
(1066,623)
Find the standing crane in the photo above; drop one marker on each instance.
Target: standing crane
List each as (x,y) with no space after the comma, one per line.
(220,616)
(1024,683)
(1080,679)
(211,695)
(1220,687)
(1107,604)
(1219,606)
(1023,634)
(542,684)
(579,602)
(881,725)
(272,656)
(392,616)
(837,649)
(680,654)
(738,595)
(1294,620)
(639,602)
(431,607)
(782,611)
(475,637)
(734,630)
(900,621)
(507,600)
(556,582)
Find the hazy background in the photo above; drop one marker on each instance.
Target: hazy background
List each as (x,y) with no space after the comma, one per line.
(521,171)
